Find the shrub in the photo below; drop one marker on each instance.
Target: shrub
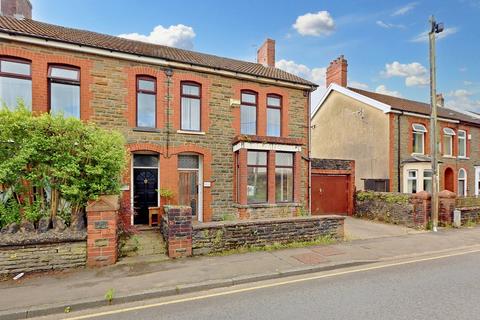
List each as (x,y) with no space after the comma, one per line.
(52,165)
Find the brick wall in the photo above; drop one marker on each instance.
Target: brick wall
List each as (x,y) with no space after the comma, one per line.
(42,257)
(176,228)
(108,98)
(220,236)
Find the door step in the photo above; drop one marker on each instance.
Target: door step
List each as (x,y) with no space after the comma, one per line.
(147,242)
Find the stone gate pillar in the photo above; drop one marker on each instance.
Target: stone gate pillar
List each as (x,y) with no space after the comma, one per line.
(102,221)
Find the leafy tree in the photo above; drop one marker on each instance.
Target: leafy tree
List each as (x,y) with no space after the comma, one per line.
(52,165)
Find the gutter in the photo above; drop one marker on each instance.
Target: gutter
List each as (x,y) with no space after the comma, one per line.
(17,36)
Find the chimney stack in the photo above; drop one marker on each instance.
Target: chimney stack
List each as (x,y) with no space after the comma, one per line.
(440,100)
(266,53)
(337,72)
(16,8)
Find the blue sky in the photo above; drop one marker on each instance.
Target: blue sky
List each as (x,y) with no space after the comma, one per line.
(382,40)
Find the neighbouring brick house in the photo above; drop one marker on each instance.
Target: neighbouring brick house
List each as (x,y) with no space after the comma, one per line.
(228,137)
(389,138)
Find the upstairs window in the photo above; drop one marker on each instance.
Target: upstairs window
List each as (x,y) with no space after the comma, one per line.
(146,102)
(448,134)
(248,113)
(274,118)
(419,131)
(462,143)
(15,83)
(283,177)
(190,106)
(64,83)
(257,176)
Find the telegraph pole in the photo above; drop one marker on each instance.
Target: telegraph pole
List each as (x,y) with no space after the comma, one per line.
(434,29)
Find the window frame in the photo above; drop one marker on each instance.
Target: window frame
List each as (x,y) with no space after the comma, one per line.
(411,179)
(266,175)
(293,175)
(450,133)
(279,108)
(249,104)
(464,181)
(415,131)
(53,79)
(430,178)
(16,75)
(144,91)
(189,96)
(464,138)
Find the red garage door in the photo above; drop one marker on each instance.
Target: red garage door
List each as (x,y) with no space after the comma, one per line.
(330,194)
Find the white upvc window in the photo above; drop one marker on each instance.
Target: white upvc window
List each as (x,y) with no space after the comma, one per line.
(427,180)
(462,183)
(448,134)
(462,143)
(412,181)
(419,131)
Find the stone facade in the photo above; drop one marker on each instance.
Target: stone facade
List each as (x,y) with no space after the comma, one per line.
(42,257)
(220,236)
(108,98)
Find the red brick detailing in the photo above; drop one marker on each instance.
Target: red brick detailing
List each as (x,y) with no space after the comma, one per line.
(297,173)
(421,202)
(243,176)
(102,221)
(266,53)
(178,231)
(131,97)
(270,177)
(262,92)
(40,62)
(175,92)
(337,72)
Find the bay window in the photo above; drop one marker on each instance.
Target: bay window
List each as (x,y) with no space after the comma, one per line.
(248,112)
(419,131)
(427,180)
(190,106)
(462,143)
(412,181)
(448,134)
(283,177)
(146,102)
(257,177)
(15,83)
(274,111)
(64,86)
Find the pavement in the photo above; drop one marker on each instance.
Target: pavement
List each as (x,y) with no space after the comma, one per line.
(359,229)
(86,288)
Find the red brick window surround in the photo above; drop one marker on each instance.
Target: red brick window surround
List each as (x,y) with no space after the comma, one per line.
(274,115)
(15,82)
(64,90)
(248,112)
(257,176)
(146,110)
(284,164)
(190,106)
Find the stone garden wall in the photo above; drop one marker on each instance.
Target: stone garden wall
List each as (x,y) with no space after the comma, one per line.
(220,236)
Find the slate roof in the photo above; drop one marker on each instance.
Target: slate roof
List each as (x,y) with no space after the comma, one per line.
(417,107)
(37,29)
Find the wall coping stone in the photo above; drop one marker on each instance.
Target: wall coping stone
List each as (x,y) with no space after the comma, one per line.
(104,203)
(447,194)
(220,224)
(422,195)
(49,237)
(467,208)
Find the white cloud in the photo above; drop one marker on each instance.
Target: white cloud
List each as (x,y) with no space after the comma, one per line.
(387,25)
(406,8)
(316,75)
(315,24)
(423,37)
(414,73)
(382,89)
(179,36)
(462,99)
(467,83)
(359,85)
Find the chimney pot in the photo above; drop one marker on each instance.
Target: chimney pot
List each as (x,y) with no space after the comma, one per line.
(440,100)
(337,72)
(266,53)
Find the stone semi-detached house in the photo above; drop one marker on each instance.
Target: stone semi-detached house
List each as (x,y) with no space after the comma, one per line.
(389,138)
(228,137)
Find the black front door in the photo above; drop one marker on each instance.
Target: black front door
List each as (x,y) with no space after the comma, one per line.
(145,193)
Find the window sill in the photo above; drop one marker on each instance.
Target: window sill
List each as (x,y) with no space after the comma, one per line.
(463,158)
(140,129)
(198,133)
(449,157)
(266,205)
